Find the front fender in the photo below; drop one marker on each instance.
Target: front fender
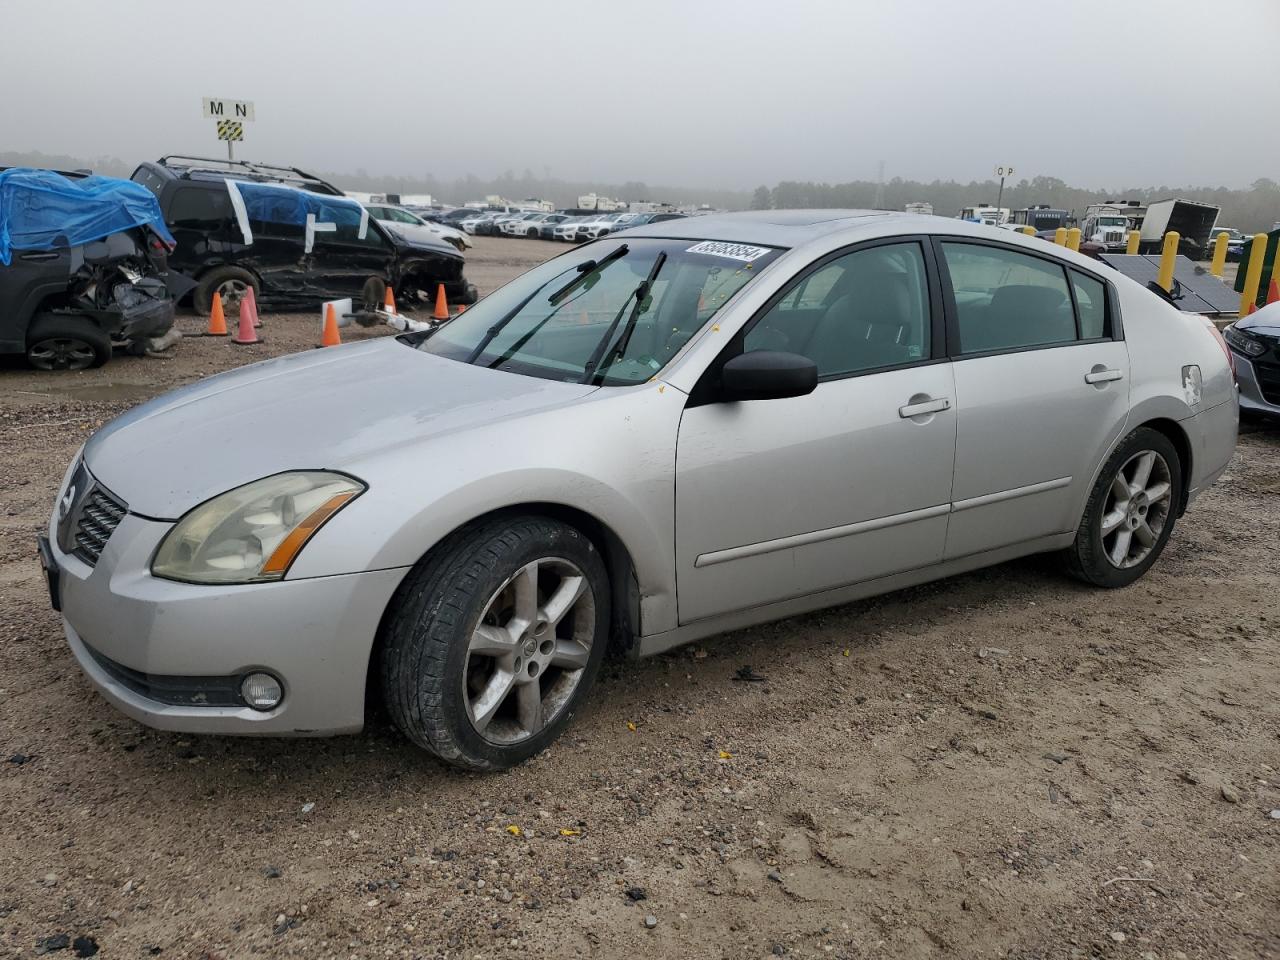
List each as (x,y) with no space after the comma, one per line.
(613,460)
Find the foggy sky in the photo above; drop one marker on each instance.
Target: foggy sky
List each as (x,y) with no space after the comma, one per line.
(680,92)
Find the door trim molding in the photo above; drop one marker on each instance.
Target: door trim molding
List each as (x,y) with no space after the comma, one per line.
(818,536)
(1011,494)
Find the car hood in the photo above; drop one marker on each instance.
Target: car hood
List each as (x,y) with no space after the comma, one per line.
(325,409)
(419,237)
(1265,321)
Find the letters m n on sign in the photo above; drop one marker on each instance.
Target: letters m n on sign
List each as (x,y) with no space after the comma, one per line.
(218,109)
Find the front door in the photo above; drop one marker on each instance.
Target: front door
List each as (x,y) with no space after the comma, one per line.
(1042,392)
(781,498)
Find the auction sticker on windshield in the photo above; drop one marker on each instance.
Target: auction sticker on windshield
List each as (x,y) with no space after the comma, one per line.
(731,251)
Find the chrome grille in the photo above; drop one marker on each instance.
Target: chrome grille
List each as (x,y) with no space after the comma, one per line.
(100,514)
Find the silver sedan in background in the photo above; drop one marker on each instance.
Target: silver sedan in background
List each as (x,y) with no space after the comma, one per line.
(650,439)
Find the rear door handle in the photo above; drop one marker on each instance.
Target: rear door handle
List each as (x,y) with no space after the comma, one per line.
(38,256)
(1103,376)
(927,406)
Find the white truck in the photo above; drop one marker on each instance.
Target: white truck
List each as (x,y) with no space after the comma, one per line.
(920,207)
(1108,223)
(983,213)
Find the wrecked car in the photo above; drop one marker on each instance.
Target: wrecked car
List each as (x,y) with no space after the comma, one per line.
(296,239)
(83,269)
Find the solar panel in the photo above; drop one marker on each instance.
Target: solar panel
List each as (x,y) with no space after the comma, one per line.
(1202,292)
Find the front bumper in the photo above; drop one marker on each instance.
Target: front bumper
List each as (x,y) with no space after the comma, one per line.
(1252,397)
(315,634)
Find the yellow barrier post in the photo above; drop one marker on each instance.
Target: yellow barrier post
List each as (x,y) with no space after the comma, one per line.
(1029,230)
(1219,254)
(1167,256)
(1060,236)
(1073,239)
(1131,248)
(1252,279)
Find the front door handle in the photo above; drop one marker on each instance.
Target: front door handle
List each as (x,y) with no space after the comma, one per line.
(1102,376)
(38,257)
(925,406)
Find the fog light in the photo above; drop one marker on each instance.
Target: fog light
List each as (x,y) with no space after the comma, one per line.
(261,691)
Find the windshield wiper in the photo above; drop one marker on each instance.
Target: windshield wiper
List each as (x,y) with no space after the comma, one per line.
(586,270)
(640,293)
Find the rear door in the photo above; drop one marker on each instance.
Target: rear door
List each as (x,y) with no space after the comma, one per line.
(1042,390)
(782,498)
(342,260)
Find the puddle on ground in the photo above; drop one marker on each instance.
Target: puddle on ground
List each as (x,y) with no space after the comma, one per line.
(103,392)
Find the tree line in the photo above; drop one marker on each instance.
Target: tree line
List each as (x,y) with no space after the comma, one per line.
(1251,209)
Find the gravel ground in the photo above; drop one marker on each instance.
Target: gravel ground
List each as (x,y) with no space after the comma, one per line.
(1005,764)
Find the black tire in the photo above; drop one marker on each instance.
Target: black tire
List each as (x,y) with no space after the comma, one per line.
(60,342)
(424,642)
(1087,559)
(202,299)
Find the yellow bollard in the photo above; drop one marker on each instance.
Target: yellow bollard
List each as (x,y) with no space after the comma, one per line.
(1073,239)
(1167,255)
(1219,254)
(1253,278)
(1060,236)
(1131,248)
(1029,230)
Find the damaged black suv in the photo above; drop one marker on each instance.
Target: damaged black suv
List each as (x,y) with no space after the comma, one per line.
(67,301)
(292,254)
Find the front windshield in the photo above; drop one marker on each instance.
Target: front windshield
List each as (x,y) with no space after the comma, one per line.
(1112,221)
(587,317)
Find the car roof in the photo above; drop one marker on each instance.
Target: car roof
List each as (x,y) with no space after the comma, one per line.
(775,228)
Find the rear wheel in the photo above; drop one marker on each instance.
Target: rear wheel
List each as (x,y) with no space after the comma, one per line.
(494,640)
(1131,512)
(56,342)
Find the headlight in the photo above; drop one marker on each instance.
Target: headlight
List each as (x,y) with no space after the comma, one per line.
(252,533)
(1244,342)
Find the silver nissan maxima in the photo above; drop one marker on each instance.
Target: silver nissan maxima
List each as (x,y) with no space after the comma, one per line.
(698,425)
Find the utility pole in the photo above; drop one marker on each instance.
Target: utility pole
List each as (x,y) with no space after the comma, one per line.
(879,201)
(1001,172)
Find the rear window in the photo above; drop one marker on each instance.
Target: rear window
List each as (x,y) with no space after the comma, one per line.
(152,181)
(195,209)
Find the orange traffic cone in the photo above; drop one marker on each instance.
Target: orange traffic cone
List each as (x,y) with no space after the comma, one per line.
(330,337)
(389,302)
(442,305)
(253,306)
(245,334)
(1273,292)
(1252,308)
(217,320)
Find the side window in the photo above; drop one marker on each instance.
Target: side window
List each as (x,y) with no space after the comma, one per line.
(193,208)
(1006,300)
(867,309)
(1091,304)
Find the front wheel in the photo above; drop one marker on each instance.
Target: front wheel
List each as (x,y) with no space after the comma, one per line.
(494,639)
(1130,513)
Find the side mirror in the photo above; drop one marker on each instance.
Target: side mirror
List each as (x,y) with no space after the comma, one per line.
(767,375)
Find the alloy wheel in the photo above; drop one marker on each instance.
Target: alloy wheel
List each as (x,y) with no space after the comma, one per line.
(528,652)
(1137,508)
(61,353)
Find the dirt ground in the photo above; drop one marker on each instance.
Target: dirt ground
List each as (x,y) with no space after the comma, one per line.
(1006,764)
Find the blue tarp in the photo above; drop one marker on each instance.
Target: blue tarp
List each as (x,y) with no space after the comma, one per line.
(43,210)
(275,203)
